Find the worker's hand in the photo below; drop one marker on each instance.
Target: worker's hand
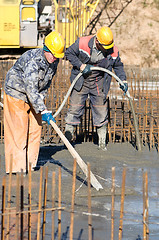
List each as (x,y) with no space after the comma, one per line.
(87,71)
(124,87)
(47,116)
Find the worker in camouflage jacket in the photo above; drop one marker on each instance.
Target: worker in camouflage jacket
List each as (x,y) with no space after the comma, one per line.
(26,86)
(97,50)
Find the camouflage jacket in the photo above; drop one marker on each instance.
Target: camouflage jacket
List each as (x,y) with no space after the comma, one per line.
(30,78)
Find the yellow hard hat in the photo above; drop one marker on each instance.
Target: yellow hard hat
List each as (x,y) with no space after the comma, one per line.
(105,37)
(55,43)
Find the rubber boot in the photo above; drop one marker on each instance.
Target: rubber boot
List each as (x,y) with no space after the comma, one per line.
(101,131)
(69,130)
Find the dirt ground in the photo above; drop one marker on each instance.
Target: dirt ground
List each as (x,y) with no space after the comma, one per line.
(136,33)
(118,155)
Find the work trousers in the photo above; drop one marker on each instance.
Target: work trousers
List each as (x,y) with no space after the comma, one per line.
(22,133)
(94,90)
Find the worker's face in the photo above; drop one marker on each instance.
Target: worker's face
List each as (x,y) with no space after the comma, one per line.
(105,52)
(50,57)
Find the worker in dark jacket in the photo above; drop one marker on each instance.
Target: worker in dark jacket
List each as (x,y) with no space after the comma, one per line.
(26,86)
(98,50)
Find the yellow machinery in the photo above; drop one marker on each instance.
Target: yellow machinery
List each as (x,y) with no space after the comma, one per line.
(18,23)
(9,26)
(24,24)
(72,17)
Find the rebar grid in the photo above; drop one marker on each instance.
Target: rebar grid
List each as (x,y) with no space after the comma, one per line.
(143,88)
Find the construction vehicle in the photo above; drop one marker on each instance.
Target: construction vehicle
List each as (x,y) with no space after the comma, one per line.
(25,23)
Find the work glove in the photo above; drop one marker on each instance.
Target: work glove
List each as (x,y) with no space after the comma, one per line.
(87,71)
(124,87)
(47,116)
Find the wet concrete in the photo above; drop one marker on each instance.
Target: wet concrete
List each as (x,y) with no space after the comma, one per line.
(118,155)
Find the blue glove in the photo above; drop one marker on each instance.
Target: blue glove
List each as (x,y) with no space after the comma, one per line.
(87,71)
(124,87)
(47,116)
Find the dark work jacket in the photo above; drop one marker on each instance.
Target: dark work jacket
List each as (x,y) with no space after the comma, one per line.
(79,53)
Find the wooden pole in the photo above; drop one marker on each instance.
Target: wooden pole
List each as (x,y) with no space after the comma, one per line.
(29,203)
(122,204)
(112,207)
(39,207)
(73,199)
(59,204)
(53,203)
(21,206)
(145,207)
(89,206)
(44,205)
(76,156)
(9,195)
(17,207)
(3,207)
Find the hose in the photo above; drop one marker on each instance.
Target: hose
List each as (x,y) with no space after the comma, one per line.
(67,95)
(127,94)
(131,105)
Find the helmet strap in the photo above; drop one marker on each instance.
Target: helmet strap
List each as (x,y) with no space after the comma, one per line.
(46,49)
